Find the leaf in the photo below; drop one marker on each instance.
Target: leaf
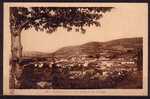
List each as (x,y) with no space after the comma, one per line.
(51,18)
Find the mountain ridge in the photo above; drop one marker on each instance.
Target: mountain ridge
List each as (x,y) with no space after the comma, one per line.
(96,47)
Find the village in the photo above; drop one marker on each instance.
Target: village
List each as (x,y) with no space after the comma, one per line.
(100,66)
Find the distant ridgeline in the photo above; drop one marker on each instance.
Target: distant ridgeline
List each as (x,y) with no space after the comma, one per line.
(94,48)
(119,46)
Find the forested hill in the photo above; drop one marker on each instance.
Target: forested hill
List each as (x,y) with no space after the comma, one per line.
(93,47)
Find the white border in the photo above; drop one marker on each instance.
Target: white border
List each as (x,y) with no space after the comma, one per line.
(85,92)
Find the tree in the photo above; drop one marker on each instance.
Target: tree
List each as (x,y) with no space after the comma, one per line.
(48,19)
(140,59)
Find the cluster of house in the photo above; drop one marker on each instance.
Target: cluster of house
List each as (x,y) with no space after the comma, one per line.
(81,65)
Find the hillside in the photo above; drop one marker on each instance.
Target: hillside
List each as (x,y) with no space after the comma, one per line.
(34,54)
(125,42)
(97,47)
(92,48)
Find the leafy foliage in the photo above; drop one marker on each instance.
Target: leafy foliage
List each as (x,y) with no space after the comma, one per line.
(50,18)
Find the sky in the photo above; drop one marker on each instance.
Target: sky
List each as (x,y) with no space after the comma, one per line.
(125,21)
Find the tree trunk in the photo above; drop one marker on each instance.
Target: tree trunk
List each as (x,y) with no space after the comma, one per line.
(140,59)
(16,46)
(16,50)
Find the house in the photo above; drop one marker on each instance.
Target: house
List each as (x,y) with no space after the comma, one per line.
(107,63)
(127,62)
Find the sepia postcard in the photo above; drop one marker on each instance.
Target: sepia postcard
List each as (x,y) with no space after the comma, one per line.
(84,49)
